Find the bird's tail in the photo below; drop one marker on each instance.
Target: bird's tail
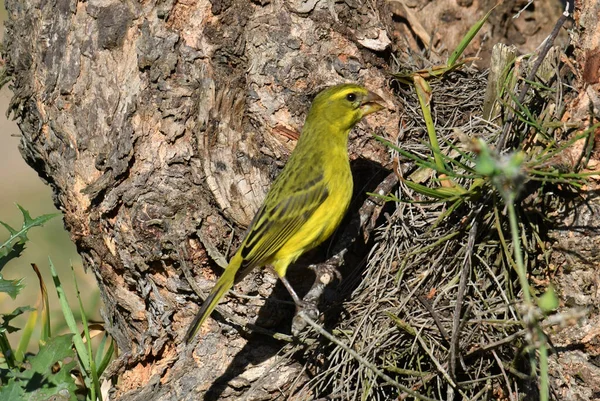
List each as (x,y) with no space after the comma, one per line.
(223,285)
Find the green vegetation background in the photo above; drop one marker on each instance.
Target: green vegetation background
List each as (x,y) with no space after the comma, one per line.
(21,184)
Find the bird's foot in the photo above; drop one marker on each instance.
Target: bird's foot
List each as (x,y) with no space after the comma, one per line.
(308,309)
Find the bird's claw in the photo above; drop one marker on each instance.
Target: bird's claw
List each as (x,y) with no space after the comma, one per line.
(310,310)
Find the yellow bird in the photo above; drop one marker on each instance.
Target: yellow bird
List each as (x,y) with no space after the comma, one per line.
(308,199)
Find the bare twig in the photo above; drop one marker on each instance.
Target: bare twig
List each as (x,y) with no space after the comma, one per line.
(362,360)
(465,273)
(435,318)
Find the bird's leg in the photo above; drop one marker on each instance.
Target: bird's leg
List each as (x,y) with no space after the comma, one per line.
(325,273)
(308,307)
(290,289)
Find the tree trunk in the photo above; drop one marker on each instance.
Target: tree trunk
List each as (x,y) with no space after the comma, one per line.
(160,126)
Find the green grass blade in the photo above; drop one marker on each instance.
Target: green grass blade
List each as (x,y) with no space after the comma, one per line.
(468,38)
(554,151)
(104,358)
(455,205)
(70,320)
(424,94)
(96,393)
(440,193)
(26,335)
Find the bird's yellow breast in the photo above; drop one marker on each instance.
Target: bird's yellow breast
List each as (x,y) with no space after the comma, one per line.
(323,222)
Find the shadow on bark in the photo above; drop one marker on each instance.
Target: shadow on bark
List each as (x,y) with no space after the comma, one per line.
(367,176)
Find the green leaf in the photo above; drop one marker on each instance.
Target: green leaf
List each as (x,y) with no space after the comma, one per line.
(55,350)
(439,193)
(424,95)
(11,287)
(7,317)
(11,230)
(20,236)
(12,391)
(93,372)
(50,371)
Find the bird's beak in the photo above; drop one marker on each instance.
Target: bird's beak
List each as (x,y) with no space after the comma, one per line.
(371,103)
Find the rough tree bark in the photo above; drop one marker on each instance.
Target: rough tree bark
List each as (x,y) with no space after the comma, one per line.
(160,126)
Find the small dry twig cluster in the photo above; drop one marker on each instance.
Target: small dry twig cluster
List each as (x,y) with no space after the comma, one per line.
(400,316)
(438,308)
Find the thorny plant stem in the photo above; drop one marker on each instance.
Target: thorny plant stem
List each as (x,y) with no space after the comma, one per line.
(530,78)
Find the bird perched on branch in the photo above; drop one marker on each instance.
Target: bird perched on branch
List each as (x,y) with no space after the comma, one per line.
(308,199)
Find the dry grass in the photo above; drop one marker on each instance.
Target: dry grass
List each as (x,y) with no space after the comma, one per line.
(439,307)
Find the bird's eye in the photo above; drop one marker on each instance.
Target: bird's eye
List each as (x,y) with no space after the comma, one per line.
(351,97)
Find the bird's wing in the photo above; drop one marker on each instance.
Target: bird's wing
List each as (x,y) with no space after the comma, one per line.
(278,220)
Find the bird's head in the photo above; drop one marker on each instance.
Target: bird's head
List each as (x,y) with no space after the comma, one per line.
(342,106)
